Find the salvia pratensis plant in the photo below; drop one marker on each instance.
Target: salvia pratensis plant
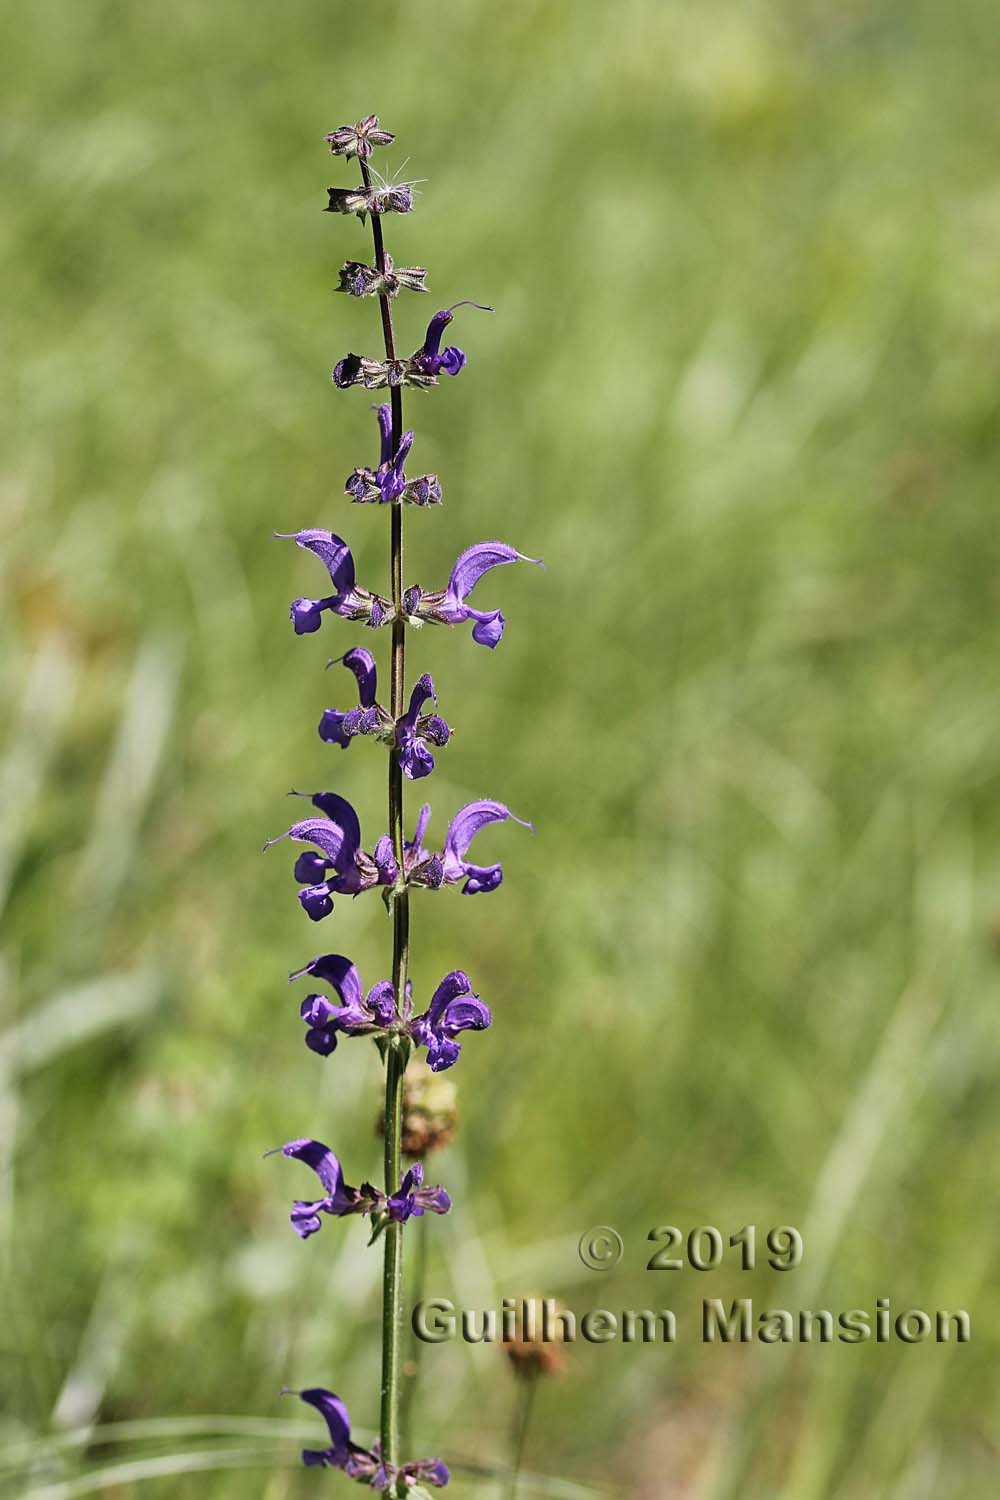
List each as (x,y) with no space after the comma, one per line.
(335,860)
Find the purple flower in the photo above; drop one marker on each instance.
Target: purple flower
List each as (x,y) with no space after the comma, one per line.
(357,1014)
(463,828)
(451,866)
(341,867)
(430,359)
(424,365)
(414,730)
(414,1200)
(453,1008)
(339,1199)
(388,484)
(448,606)
(337,727)
(350,602)
(359,139)
(363,1463)
(338,1422)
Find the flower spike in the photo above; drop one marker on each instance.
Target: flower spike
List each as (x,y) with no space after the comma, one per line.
(331,860)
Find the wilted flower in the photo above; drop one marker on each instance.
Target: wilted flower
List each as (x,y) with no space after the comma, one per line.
(360,280)
(388,483)
(448,606)
(373,374)
(453,1009)
(363,1463)
(381,198)
(450,865)
(348,601)
(358,140)
(342,867)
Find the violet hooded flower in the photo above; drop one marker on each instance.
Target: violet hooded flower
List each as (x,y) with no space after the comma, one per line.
(388,484)
(342,866)
(453,1009)
(430,359)
(451,866)
(423,366)
(347,600)
(356,1014)
(338,1200)
(339,727)
(414,731)
(413,1200)
(448,606)
(363,1463)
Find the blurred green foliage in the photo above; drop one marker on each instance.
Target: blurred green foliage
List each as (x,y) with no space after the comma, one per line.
(741,394)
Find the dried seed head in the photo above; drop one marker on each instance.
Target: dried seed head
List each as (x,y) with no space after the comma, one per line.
(430,1113)
(381,198)
(360,280)
(358,140)
(530,1355)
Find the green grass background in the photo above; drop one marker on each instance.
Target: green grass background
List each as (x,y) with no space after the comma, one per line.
(741,393)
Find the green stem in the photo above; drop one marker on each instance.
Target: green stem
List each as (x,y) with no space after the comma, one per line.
(392,1271)
(411,1369)
(519,1429)
(392,1276)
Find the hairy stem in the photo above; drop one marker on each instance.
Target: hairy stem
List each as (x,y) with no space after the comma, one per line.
(411,1369)
(392,1279)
